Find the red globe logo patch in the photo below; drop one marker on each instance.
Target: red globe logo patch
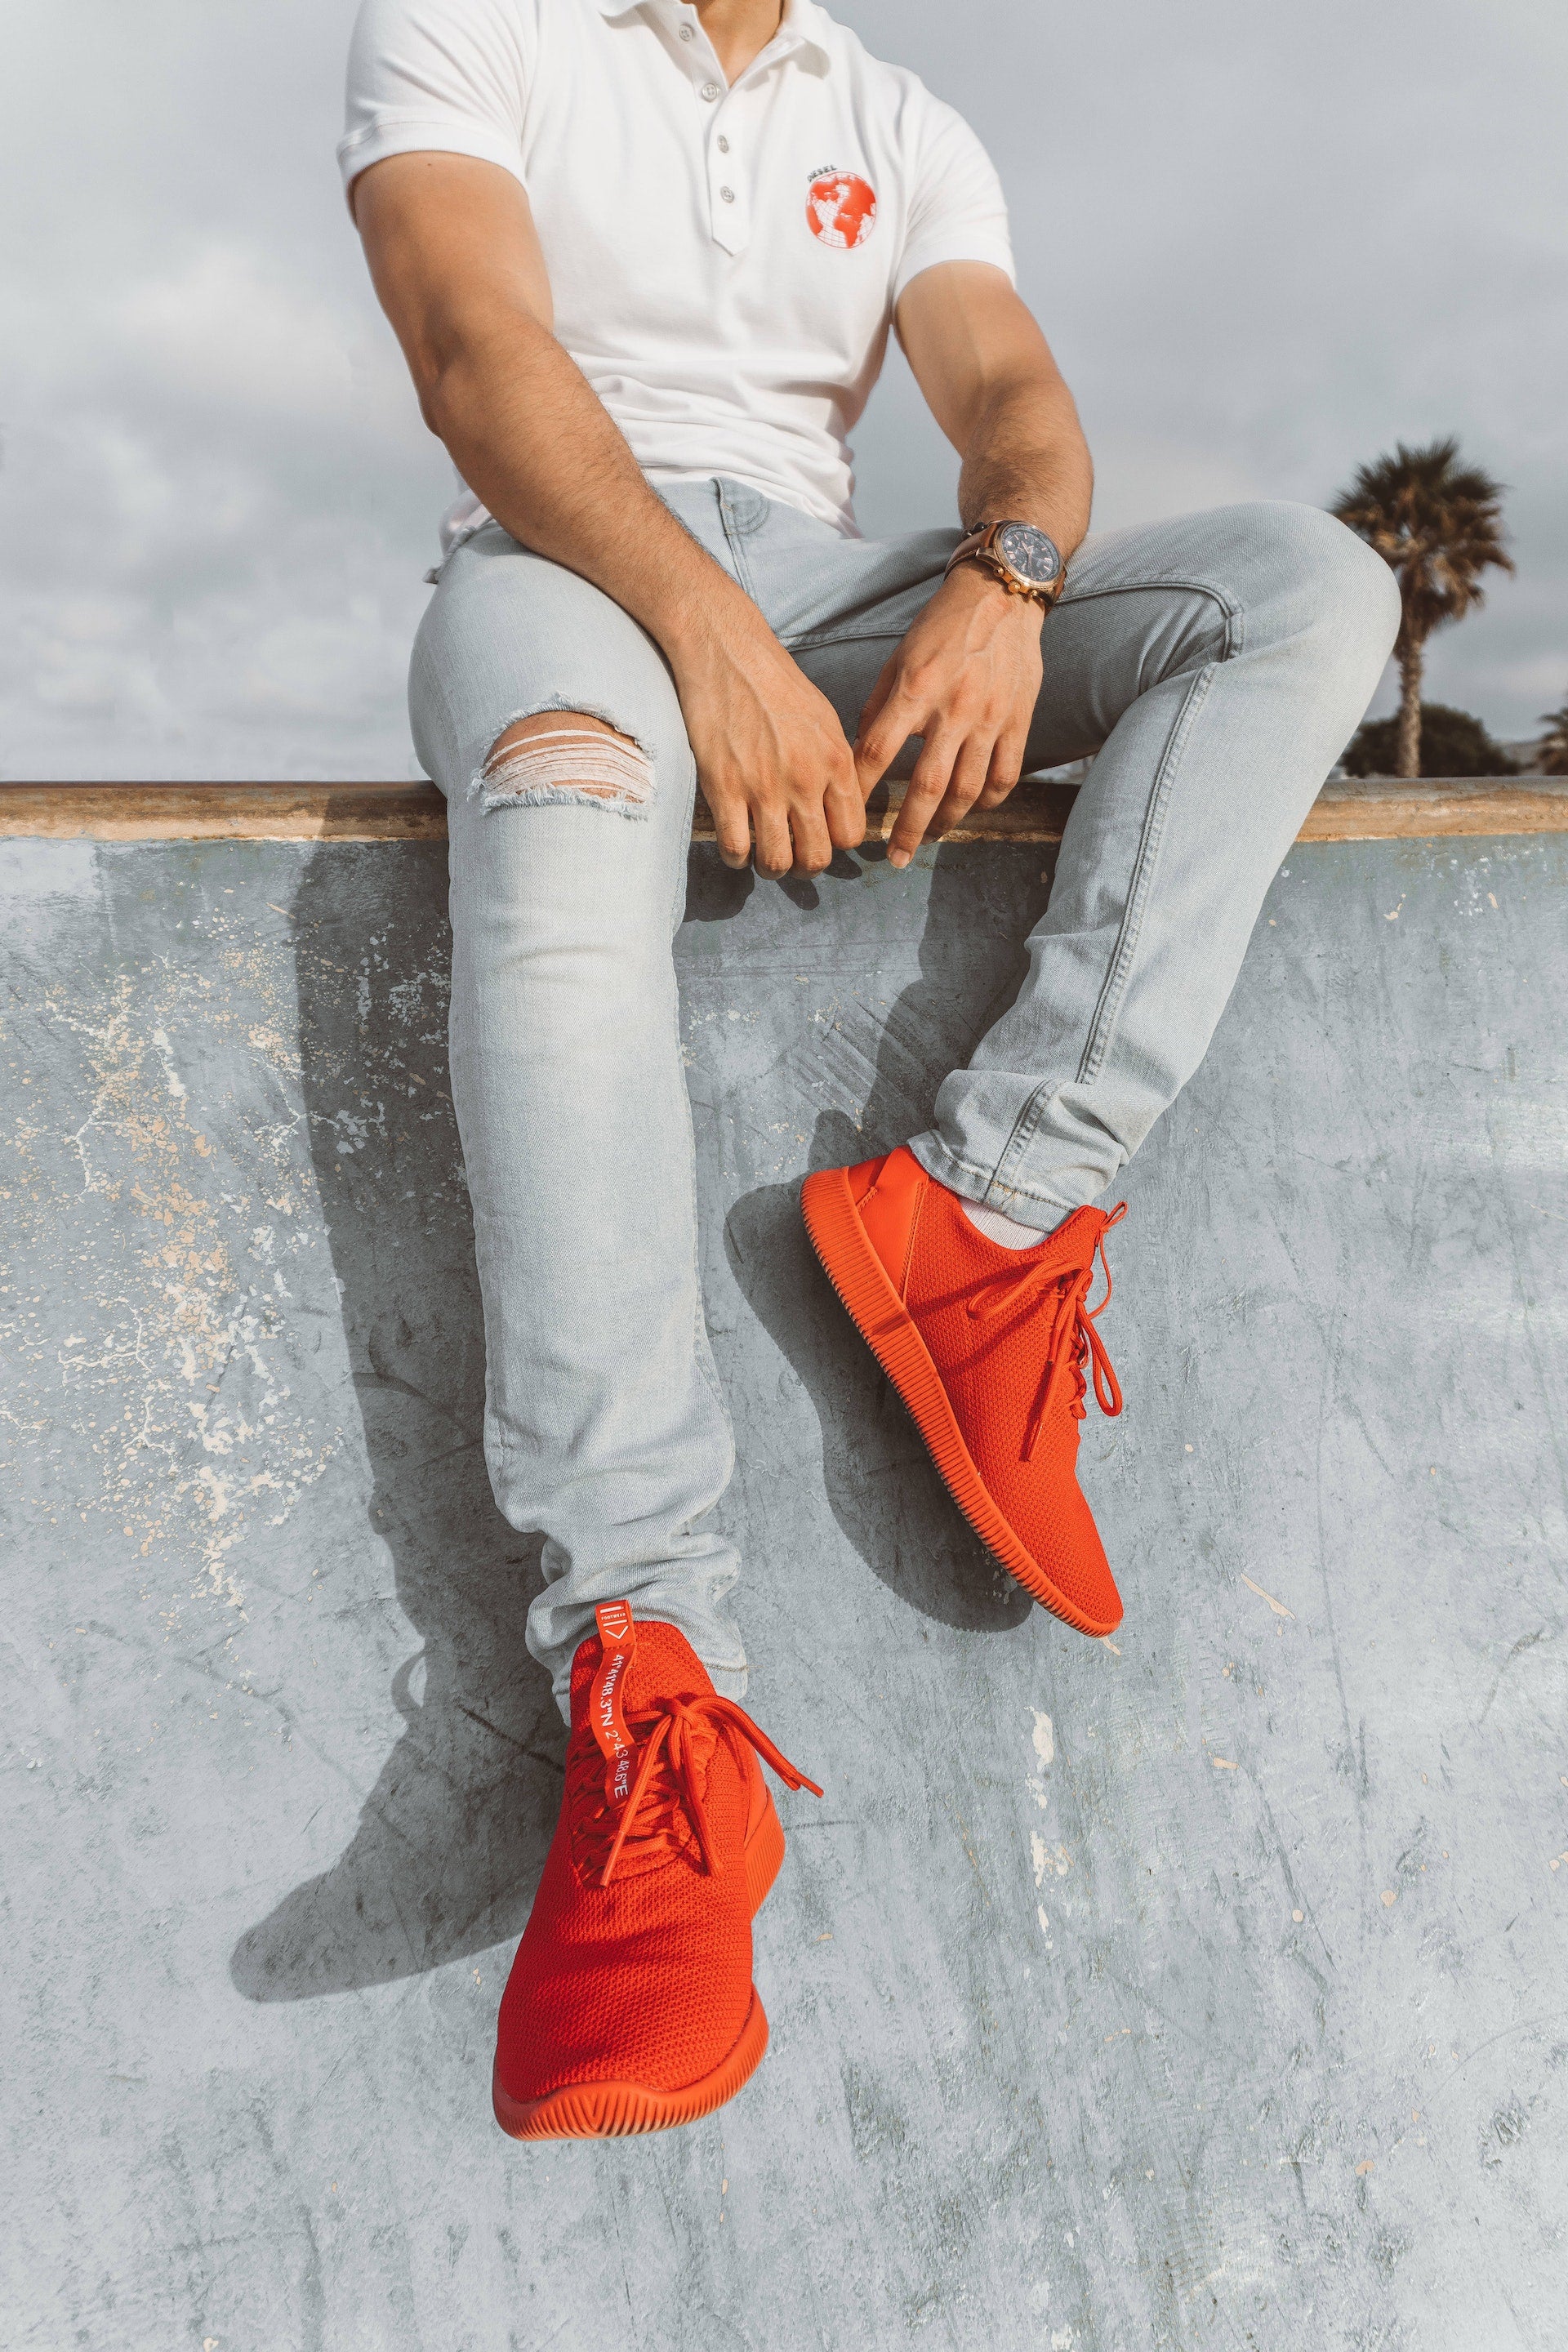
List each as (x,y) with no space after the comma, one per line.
(840,209)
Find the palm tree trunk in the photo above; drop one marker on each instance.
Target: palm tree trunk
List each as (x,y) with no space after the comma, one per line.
(1410,658)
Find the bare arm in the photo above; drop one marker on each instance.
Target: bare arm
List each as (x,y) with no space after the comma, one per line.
(456,264)
(967,675)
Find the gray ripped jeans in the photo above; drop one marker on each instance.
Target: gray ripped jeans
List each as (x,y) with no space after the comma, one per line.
(1217,665)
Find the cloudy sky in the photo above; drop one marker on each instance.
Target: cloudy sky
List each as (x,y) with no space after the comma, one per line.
(1266,241)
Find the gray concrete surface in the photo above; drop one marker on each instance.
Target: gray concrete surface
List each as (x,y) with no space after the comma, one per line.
(1206,1988)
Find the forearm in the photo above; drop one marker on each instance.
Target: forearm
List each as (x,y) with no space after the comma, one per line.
(1025,458)
(966,677)
(533,440)
(457,263)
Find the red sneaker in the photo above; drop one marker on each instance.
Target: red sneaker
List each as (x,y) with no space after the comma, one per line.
(988,1349)
(630,2004)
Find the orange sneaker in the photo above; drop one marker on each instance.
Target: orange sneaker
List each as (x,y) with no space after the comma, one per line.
(630,2004)
(988,1349)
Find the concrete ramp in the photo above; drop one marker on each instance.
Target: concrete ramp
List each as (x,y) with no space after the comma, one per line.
(1205,1986)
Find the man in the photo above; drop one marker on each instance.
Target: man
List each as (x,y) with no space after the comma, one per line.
(642,256)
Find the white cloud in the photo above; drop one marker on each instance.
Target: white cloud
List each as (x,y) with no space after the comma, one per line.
(1266,243)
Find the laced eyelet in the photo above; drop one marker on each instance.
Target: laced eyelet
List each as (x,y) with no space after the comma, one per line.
(1074,1348)
(676,1736)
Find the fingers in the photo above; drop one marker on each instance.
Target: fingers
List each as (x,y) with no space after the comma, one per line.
(1006,767)
(971,771)
(843,808)
(802,827)
(927,788)
(887,721)
(732,823)
(813,846)
(874,702)
(783,831)
(774,853)
(797,828)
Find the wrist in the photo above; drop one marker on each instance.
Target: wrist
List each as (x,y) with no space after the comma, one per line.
(709,626)
(983,588)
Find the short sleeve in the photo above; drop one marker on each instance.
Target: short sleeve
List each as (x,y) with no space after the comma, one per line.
(447,75)
(957,211)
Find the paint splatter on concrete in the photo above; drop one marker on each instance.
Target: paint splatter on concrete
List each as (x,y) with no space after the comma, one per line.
(1085,2047)
(155,1169)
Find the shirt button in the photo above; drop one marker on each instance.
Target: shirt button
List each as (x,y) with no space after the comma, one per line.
(685,31)
(727,194)
(724,145)
(710,89)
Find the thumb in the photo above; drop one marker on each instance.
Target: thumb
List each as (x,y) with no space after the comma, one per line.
(881,743)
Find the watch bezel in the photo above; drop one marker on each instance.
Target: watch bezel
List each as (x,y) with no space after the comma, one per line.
(981,547)
(1039,585)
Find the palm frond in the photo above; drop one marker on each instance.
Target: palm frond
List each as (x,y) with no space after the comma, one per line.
(1436,522)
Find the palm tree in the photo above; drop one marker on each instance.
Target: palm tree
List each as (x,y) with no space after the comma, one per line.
(1555,742)
(1438,524)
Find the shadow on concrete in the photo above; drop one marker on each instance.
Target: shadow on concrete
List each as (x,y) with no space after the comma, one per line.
(452,1838)
(878,1478)
(880,1483)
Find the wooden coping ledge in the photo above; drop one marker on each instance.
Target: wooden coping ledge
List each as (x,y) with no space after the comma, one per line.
(1377,810)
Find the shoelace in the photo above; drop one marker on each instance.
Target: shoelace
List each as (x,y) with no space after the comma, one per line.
(669,1776)
(1073,1340)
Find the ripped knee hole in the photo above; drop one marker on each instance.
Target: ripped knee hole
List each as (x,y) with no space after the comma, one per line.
(570,762)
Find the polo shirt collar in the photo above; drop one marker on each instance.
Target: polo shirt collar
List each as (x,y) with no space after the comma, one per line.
(804,25)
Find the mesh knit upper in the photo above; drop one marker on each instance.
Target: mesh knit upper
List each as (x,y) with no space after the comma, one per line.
(986,1314)
(647,1980)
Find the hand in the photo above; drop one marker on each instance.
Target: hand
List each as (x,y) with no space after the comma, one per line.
(771,758)
(965,677)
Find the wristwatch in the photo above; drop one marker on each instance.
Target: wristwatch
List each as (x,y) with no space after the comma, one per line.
(1025,561)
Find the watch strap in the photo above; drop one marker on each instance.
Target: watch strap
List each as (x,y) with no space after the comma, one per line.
(968,547)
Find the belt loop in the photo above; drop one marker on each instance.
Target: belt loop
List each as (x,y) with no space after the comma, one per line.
(736,525)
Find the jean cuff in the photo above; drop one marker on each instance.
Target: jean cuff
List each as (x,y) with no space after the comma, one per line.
(1045,1210)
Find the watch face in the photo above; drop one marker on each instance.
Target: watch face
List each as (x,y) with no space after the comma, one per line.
(1029,553)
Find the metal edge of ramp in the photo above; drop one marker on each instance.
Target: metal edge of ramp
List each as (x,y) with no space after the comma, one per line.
(1375,810)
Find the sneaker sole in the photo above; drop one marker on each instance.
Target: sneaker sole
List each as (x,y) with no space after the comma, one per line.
(615,2110)
(889,1329)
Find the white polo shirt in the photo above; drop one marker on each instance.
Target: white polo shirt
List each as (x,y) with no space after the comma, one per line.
(724,261)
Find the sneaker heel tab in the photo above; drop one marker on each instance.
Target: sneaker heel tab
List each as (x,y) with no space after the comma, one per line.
(864,1177)
(889,1209)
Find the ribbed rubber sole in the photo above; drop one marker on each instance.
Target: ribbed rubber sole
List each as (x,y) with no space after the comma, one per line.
(886,1325)
(615,2110)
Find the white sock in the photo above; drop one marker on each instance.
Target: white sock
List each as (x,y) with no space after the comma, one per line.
(1005,1231)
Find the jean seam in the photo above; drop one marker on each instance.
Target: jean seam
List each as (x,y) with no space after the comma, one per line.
(683,836)
(1103,1026)
(1101,1029)
(819,640)
(701,1344)
(1226,604)
(816,640)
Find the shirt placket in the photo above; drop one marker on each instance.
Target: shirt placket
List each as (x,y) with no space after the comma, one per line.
(723,130)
